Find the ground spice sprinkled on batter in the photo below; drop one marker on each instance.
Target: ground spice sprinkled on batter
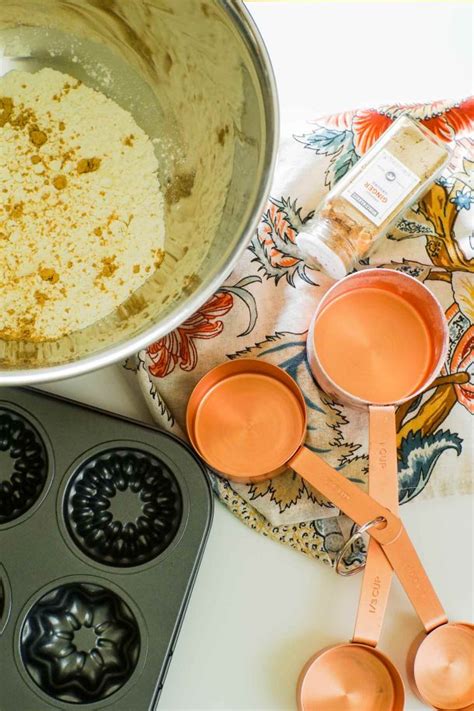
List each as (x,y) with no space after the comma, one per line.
(81,211)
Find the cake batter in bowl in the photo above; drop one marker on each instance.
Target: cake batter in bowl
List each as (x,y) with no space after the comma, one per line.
(196,78)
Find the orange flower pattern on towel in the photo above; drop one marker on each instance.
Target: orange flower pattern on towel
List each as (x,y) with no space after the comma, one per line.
(274,244)
(346,137)
(445,119)
(463,362)
(277,223)
(367,127)
(178,347)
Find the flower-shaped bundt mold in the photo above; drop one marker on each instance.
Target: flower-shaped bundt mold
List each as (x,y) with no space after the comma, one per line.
(80,643)
(23,465)
(123,507)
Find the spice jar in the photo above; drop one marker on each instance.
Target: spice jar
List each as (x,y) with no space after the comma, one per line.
(394,173)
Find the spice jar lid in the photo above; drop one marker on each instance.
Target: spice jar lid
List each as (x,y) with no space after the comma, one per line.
(318,254)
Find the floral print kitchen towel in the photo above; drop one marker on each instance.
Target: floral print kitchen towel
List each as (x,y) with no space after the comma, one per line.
(264,309)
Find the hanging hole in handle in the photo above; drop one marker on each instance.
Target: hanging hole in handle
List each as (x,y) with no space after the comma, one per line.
(5,599)
(341,568)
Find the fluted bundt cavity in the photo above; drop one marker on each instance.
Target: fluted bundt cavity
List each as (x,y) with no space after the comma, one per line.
(80,643)
(23,465)
(123,507)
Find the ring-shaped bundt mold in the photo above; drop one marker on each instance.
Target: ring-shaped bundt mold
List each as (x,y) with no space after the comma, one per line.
(23,465)
(80,643)
(123,507)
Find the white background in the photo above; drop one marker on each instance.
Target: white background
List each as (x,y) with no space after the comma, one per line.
(260,610)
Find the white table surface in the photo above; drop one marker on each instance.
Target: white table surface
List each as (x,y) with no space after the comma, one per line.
(259,610)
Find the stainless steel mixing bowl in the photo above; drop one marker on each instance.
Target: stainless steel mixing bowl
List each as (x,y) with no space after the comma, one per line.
(196,76)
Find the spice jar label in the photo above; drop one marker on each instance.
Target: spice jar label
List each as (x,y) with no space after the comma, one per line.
(381,187)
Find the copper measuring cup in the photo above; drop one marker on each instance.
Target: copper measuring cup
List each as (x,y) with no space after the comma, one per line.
(356,675)
(240,406)
(435,666)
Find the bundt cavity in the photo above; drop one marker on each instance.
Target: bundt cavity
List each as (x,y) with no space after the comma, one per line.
(80,643)
(23,465)
(123,507)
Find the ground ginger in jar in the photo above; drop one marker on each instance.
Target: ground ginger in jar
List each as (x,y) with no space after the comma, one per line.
(393,174)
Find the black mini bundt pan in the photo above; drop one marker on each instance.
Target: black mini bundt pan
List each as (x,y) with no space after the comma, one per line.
(52,652)
(88,499)
(22,485)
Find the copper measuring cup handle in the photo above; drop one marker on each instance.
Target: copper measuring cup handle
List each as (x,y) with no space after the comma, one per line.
(383,486)
(357,675)
(393,537)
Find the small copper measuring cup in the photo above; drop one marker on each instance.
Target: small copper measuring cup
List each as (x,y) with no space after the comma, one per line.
(438,664)
(246,418)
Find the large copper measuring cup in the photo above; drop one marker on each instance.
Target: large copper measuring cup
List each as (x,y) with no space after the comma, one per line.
(247,420)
